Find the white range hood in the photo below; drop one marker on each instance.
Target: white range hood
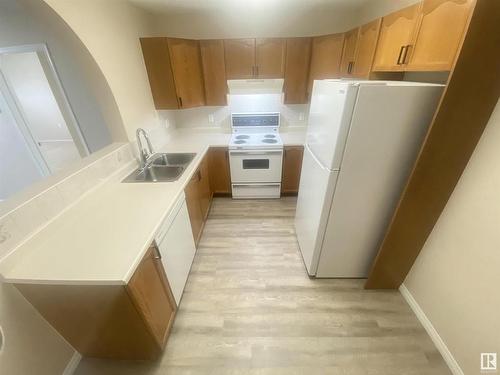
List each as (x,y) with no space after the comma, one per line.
(255,86)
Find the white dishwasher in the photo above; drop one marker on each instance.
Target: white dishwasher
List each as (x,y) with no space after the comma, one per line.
(177,249)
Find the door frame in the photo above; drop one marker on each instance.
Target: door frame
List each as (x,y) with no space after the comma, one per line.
(58,91)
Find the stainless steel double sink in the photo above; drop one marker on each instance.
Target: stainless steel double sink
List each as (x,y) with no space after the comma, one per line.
(162,167)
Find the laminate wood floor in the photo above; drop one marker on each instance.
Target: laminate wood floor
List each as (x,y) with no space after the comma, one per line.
(249,308)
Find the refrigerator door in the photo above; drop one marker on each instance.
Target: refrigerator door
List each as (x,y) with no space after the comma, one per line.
(313,204)
(330,114)
(388,126)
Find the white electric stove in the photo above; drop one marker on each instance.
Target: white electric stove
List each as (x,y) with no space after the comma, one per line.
(255,155)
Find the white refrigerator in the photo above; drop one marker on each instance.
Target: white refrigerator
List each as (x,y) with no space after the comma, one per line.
(362,140)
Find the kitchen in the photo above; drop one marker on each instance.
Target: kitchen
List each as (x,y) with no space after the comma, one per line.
(193,274)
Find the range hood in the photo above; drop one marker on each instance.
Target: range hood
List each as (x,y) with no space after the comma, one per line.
(255,86)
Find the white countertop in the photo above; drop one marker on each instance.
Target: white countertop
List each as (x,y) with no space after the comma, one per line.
(102,238)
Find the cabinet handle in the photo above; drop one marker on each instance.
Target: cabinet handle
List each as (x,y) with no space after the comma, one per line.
(199,175)
(407,48)
(257,71)
(180,101)
(400,54)
(253,71)
(157,255)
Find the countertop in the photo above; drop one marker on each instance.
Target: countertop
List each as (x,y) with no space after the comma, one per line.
(102,238)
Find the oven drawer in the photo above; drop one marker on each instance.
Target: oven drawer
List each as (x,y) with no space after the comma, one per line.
(246,191)
(256,166)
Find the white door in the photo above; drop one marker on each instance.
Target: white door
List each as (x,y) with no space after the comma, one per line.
(177,251)
(316,188)
(330,114)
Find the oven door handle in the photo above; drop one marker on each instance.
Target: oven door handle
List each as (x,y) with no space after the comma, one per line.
(236,153)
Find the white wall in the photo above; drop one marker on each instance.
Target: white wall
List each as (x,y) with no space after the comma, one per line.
(240,21)
(456,277)
(379,8)
(18,169)
(110,30)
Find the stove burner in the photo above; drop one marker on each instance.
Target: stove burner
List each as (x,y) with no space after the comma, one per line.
(239,142)
(242,136)
(269,136)
(268,140)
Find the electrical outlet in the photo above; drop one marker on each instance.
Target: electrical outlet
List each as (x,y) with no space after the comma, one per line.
(211,119)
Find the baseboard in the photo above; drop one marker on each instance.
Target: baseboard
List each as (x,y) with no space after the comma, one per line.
(434,335)
(72,364)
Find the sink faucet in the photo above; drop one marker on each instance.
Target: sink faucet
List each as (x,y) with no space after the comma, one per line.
(144,154)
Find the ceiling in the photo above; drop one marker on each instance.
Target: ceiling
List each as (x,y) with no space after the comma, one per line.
(211,6)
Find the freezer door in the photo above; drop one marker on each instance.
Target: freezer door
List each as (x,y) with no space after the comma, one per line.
(330,114)
(315,195)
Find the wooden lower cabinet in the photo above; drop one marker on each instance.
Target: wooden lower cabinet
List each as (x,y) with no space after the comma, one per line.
(292,165)
(111,321)
(199,197)
(220,175)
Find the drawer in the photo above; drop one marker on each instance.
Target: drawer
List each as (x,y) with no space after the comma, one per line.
(244,191)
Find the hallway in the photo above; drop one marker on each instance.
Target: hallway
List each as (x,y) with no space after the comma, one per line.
(250,308)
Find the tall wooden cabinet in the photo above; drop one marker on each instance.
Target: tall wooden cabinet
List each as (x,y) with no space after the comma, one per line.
(349,52)
(298,54)
(365,49)
(214,72)
(270,57)
(174,71)
(240,58)
(326,55)
(441,26)
(396,35)
(254,58)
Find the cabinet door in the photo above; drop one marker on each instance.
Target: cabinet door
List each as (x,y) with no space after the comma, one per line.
(365,50)
(194,207)
(186,66)
(349,52)
(298,55)
(292,165)
(270,58)
(161,78)
(240,58)
(218,166)
(442,24)
(151,293)
(214,71)
(326,54)
(396,32)
(205,193)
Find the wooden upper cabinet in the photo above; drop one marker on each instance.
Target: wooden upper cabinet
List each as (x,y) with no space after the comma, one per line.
(326,54)
(270,58)
(240,58)
(365,48)
(151,294)
(349,52)
(298,55)
(441,26)
(396,33)
(161,78)
(214,71)
(186,67)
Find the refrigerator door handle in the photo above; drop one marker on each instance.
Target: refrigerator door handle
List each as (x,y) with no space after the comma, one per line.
(318,162)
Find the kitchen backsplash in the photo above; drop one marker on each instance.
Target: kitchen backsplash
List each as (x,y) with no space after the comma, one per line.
(219,117)
(30,216)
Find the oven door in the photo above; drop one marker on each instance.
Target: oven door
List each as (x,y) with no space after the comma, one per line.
(255,166)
